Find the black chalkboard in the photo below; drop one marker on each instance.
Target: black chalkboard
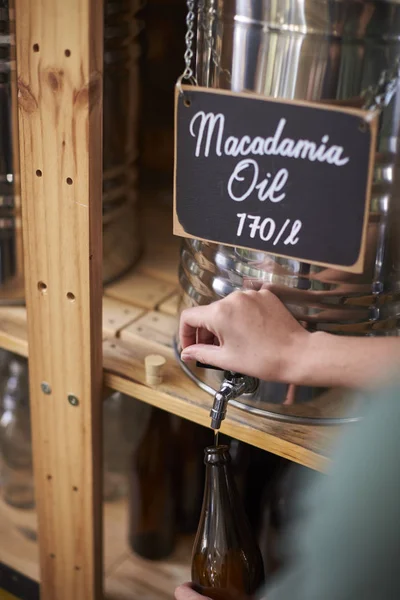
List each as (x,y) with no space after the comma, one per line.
(292,179)
(15,585)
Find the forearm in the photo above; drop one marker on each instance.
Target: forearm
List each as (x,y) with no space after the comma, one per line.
(342,361)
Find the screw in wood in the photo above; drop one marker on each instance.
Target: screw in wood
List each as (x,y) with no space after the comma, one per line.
(73,400)
(46,389)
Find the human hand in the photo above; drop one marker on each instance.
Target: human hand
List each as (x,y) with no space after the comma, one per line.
(186,592)
(248,332)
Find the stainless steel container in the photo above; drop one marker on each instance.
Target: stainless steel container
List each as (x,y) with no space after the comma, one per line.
(11,251)
(122,50)
(311,50)
(121,239)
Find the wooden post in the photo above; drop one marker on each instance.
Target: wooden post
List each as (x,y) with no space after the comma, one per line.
(60,66)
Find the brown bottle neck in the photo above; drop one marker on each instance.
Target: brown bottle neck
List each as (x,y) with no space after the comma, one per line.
(220,494)
(217,455)
(219,477)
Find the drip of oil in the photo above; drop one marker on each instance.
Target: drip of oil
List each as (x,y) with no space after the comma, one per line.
(216,435)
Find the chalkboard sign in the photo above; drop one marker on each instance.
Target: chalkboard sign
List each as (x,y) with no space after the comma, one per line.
(16,586)
(289,178)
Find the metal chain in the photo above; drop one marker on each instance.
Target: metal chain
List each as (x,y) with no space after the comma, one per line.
(188,56)
(377,97)
(206,23)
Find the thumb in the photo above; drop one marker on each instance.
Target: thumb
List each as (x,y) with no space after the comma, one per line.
(186,592)
(207,354)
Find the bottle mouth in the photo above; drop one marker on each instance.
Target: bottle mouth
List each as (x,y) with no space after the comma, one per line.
(217,455)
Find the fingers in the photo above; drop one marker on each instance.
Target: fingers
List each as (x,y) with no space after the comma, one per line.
(205,337)
(207,354)
(193,319)
(185,592)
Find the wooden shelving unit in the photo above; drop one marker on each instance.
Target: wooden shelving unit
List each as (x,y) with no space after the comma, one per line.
(60,74)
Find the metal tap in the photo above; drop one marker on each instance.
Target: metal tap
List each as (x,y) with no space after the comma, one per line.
(233,386)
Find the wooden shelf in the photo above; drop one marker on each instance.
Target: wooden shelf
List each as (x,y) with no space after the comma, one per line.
(139,318)
(135,577)
(127,576)
(13,330)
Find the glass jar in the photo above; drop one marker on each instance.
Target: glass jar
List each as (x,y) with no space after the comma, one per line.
(16,468)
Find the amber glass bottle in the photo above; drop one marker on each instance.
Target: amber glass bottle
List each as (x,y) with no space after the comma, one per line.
(226,561)
(152,527)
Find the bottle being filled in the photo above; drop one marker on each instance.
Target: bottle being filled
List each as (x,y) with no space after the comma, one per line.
(226,561)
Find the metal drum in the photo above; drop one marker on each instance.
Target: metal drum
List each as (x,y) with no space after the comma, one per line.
(311,50)
(11,251)
(121,239)
(122,50)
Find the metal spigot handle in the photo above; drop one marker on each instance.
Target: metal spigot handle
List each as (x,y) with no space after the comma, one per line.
(204,366)
(233,386)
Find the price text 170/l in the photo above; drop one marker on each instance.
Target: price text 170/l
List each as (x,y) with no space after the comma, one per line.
(267,229)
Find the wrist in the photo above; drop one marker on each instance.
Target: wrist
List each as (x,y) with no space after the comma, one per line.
(307,357)
(295,358)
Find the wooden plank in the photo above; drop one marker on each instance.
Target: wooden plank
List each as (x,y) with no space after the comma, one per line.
(151,580)
(123,586)
(13,330)
(124,365)
(140,290)
(13,323)
(60,65)
(170,305)
(117,315)
(153,326)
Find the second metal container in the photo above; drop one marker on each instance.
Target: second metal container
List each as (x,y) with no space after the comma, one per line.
(121,240)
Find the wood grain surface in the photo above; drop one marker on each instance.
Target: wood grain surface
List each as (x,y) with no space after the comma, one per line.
(60,87)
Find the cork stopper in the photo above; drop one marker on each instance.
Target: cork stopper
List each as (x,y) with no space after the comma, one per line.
(154,364)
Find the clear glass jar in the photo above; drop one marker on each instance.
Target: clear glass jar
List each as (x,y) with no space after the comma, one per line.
(16,468)
(4,368)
